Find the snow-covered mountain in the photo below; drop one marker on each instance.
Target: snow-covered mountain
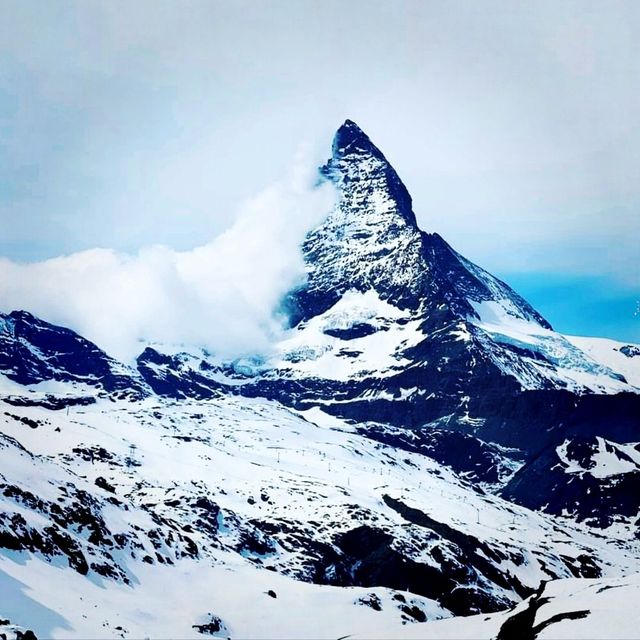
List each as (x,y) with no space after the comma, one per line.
(32,350)
(421,445)
(387,308)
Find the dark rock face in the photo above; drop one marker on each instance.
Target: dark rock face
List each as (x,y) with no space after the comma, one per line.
(463,573)
(630,350)
(168,376)
(547,482)
(457,579)
(32,351)
(49,401)
(478,461)
(29,422)
(358,330)
(213,627)
(522,625)
(372,601)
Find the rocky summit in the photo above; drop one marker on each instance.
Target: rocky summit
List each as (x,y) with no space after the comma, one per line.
(420,455)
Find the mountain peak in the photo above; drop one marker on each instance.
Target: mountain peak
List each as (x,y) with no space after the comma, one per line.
(350,138)
(350,129)
(371,240)
(357,162)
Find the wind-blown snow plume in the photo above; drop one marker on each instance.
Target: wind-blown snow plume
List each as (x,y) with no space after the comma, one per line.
(222,295)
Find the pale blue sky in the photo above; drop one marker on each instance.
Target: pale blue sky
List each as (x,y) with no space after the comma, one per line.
(515,126)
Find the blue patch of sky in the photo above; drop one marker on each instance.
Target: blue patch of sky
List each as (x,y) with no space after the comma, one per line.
(582,305)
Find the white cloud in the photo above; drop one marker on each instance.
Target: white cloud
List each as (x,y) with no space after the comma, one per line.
(221,295)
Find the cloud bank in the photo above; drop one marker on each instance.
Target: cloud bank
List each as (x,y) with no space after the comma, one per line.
(221,295)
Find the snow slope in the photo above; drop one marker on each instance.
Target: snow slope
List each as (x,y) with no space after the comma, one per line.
(562,609)
(567,362)
(621,357)
(221,501)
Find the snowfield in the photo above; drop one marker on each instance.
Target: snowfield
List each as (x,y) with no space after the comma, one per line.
(160,478)
(578,363)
